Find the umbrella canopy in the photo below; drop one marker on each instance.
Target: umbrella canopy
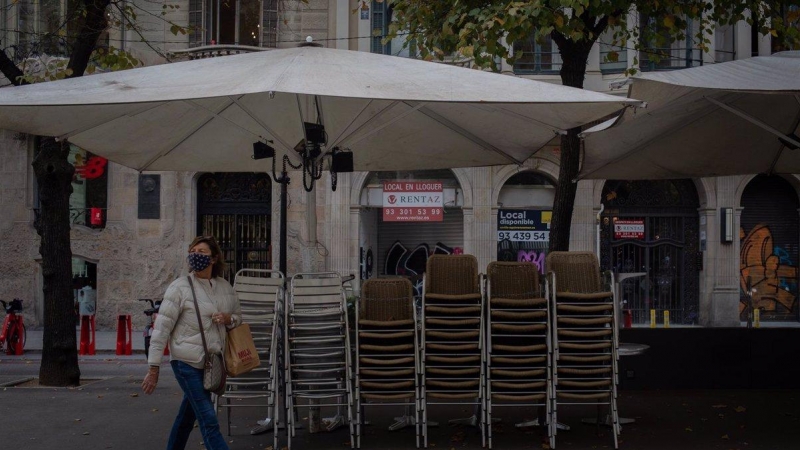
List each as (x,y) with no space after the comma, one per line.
(393,113)
(738,117)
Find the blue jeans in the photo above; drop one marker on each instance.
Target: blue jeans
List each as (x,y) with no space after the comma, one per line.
(197,405)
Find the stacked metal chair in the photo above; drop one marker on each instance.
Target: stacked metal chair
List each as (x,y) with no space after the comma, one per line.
(518,372)
(452,336)
(387,360)
(585,340)
(261,296)
(318,370)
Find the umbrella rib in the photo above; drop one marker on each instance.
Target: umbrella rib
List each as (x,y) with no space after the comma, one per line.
(260,122)
(753,120)
(344,130)
(382,126)
(452,126)
(519,116)
(146,108)
(187,135)
(641,146)
(796,123)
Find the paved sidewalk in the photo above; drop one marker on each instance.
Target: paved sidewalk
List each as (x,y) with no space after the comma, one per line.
(110,412)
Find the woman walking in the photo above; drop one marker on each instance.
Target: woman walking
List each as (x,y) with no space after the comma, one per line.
(178,327)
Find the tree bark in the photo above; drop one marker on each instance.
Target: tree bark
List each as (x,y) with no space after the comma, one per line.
(573,70)
(54,173)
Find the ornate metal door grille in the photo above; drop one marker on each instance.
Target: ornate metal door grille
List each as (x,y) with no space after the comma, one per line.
(236,209)
(666,250)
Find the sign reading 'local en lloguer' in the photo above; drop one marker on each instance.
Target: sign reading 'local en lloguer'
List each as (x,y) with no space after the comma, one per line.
(413,201)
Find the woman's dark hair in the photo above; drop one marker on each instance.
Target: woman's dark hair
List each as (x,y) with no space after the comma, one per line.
(218,269)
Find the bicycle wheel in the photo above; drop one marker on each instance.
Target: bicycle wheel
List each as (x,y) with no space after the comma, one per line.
(14,337)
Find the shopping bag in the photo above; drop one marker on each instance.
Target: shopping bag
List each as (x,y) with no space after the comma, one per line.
(240,352)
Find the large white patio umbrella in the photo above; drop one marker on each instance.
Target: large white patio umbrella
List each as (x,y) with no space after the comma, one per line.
(393,113)
(738,117)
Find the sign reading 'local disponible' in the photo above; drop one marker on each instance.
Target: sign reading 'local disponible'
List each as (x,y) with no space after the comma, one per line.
(523,225)
(629,229)
(413,201)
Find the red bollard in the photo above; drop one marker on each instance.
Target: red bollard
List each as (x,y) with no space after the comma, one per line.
(628,318)
(87,336)
(124,335)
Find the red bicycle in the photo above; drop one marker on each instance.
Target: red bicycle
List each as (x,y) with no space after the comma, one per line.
(12,334)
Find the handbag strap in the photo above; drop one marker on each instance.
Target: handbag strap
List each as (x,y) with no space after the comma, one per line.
(197,311)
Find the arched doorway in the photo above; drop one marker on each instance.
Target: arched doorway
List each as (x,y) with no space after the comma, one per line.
(650,231)
(524,212)
(394,247)
(236,208)
(769,233)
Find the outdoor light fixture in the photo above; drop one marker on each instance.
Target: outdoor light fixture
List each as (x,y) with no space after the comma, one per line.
(262,151)
(315,133)
(726,225)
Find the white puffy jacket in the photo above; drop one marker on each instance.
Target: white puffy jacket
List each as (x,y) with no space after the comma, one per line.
(177,322)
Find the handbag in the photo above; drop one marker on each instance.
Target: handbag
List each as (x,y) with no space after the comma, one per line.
(214,375)
(241,355)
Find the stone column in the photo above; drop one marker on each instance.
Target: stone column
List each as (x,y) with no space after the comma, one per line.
(724,310)
(339,226)
(582,232)
(711,229)
(484,242)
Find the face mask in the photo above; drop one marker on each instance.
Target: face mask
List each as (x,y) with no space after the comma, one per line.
(198,261)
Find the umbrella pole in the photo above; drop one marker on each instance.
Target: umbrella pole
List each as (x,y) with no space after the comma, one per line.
(284,181)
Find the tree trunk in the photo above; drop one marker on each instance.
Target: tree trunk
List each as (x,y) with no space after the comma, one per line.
(573,70)
(54,178)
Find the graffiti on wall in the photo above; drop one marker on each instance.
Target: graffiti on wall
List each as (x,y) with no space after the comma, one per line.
(536,257)
(532,252)
(772,273)
(401,261)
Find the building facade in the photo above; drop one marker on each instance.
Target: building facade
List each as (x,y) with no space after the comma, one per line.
(690,247)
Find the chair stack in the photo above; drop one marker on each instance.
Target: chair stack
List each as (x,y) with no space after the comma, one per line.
(387,359)
(585,338)
(452,335)
(517,351)
(261,296)
(318,371)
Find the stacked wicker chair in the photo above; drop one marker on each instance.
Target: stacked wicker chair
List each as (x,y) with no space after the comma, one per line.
(388,358)
(585,338)
(452,335)
(318,369)
(261,296)
(517,351)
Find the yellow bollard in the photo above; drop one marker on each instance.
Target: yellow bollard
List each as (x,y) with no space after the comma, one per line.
(666,318)
(757,318)
(652,318)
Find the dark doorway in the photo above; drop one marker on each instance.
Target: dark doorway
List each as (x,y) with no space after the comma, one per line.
(650,232)
(236,208)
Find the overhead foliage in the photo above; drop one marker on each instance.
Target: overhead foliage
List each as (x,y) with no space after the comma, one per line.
(480,29)
(485,31)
